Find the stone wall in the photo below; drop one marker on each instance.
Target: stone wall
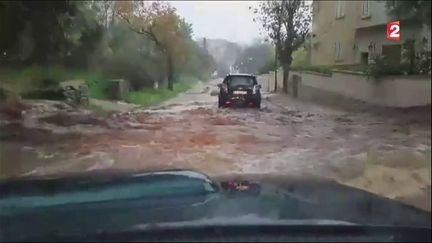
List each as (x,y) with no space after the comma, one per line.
(391,91)
(267,81)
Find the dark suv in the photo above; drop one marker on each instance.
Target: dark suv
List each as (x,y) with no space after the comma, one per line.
(239,90)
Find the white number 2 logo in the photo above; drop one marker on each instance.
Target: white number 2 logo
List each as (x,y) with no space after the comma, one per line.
(394,31)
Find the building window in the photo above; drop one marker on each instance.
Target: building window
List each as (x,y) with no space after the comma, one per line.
(337,51)
(340,9)
(316,6)
(364,58)
(365,9)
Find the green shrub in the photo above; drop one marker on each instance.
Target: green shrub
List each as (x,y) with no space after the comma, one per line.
(381,67)
(352,67)
(299,58)
(268,66)
(97,88)
(325,69)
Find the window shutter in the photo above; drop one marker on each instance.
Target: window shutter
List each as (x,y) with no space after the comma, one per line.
(365,8)
(342,8)
(337,8)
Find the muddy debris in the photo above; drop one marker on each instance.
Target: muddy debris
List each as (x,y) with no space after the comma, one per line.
(203,139)
(283,120)
(133,125)
(347,171)
(247,139)
(205,90)
(196,103)
(66,119)
(343,119)
(199,111)
(266,109)
(45,107)
(404,129)
(290,112)
(214,92)
(34,136)
(13,110)
(402,158)
(223,121)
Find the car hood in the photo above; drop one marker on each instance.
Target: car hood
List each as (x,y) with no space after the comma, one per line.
(285,201)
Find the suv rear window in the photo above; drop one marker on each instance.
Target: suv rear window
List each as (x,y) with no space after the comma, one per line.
(240,80)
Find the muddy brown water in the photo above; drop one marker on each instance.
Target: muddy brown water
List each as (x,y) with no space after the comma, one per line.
(286,137)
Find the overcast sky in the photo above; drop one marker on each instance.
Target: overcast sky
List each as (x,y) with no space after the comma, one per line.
(230,20)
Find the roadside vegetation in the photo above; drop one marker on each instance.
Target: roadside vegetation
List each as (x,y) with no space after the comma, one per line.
(287,24)
(150,96)
(281,17)
(415,61)
(45,43)
(26,79)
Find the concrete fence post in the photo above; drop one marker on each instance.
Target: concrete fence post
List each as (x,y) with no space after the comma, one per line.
(295,82)
(268,83)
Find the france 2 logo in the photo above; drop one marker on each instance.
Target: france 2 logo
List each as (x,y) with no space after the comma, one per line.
(393,29)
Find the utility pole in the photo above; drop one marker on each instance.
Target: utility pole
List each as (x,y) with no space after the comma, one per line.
(276,67)
(205,45)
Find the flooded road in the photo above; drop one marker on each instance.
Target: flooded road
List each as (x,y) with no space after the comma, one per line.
(387,155)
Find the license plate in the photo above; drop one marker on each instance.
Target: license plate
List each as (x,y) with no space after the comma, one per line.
(240,92)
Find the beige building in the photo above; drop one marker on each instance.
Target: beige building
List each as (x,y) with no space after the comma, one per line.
(350,32)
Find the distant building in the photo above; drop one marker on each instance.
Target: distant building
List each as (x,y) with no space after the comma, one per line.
(350,32)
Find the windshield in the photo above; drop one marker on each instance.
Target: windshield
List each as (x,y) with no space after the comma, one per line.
(240,80)
(335,110)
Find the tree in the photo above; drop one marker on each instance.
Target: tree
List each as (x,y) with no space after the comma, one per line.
(287,23)
(104,12)
(158,21)
(137,41)
(418,10)
(85,36)
(185,29)
(43,23)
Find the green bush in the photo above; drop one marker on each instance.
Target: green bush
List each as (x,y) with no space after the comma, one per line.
(424,63)
(381,67)
(325,69)
(299,58)
(97,88)
(352,67)
(268,66)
